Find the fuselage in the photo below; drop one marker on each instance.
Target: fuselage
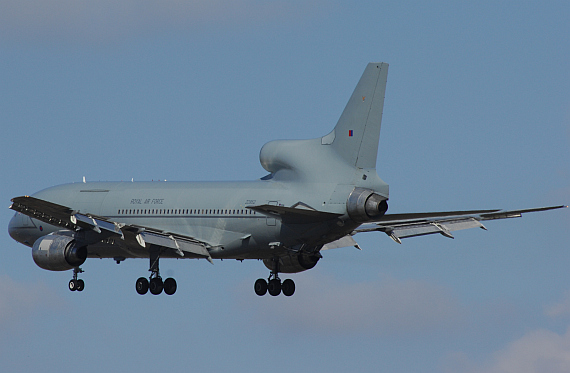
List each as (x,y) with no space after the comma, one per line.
(213,212)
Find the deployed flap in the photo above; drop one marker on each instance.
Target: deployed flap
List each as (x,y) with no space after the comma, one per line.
(296,214)
(178,244)
(427,215)
(399,226)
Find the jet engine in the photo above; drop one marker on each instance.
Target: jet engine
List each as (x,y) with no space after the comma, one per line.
(293,263)
(58,253)
(364,205)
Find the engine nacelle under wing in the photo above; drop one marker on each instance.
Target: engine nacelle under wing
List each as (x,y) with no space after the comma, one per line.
(58,253)
(293,263)
(365,205)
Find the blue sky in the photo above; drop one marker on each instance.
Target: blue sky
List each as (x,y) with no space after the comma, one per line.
(477,115)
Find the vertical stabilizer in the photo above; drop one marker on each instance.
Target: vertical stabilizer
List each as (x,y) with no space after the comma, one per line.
(355,137)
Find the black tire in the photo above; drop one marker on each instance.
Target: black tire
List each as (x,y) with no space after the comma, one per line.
(80,285)
(156,285)
(260,287)
(288,287)
(72,285)
(142,285)
(274,287)
(170,286)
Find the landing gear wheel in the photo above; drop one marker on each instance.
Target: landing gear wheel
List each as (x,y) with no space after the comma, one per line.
(274,287)
(156,286)
(260,287)
(170,286)
(142,285)
(288,287)
(75,283)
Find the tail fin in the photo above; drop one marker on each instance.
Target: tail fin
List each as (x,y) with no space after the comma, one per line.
(355,137)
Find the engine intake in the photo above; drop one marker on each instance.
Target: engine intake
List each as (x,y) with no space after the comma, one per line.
(293,263)
(363,205)
(58,253)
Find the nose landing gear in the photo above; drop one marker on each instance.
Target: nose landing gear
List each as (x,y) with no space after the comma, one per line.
(75,283)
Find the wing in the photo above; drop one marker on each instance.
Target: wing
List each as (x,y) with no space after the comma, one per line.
(399,226)
(96,228)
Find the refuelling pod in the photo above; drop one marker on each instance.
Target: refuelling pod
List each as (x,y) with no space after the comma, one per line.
(58,253)
(293,263)
(365,205)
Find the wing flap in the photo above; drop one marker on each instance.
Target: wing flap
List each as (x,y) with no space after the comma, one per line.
(399,226)
(431,215)
(178,244)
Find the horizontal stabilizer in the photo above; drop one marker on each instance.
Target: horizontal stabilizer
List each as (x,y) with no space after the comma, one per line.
(297,214)
(345,241)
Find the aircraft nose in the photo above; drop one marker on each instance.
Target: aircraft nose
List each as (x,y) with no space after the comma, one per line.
(18,224)
(13,227)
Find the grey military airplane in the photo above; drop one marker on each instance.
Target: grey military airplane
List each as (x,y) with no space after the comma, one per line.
(318,194)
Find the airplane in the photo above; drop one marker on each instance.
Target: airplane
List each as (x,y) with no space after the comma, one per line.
(317,195)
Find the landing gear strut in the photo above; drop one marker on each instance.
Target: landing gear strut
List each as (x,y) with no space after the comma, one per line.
(154,282)
(75,283)
(273,284)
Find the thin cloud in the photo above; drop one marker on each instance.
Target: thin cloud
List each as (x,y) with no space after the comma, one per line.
(538,351)
(559,309)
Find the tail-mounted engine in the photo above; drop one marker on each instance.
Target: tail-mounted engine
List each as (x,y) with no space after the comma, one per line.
(293,263)
(58,253)
(364,205)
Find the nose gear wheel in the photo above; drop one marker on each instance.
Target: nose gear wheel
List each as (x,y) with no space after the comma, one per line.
(76,284)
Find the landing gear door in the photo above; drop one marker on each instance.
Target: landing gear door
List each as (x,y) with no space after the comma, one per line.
(271,221)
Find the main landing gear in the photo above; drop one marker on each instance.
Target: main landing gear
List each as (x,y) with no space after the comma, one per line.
(273,285)
(154,282)
(75,283)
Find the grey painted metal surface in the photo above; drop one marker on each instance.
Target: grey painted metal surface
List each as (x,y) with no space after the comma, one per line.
(316,196)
